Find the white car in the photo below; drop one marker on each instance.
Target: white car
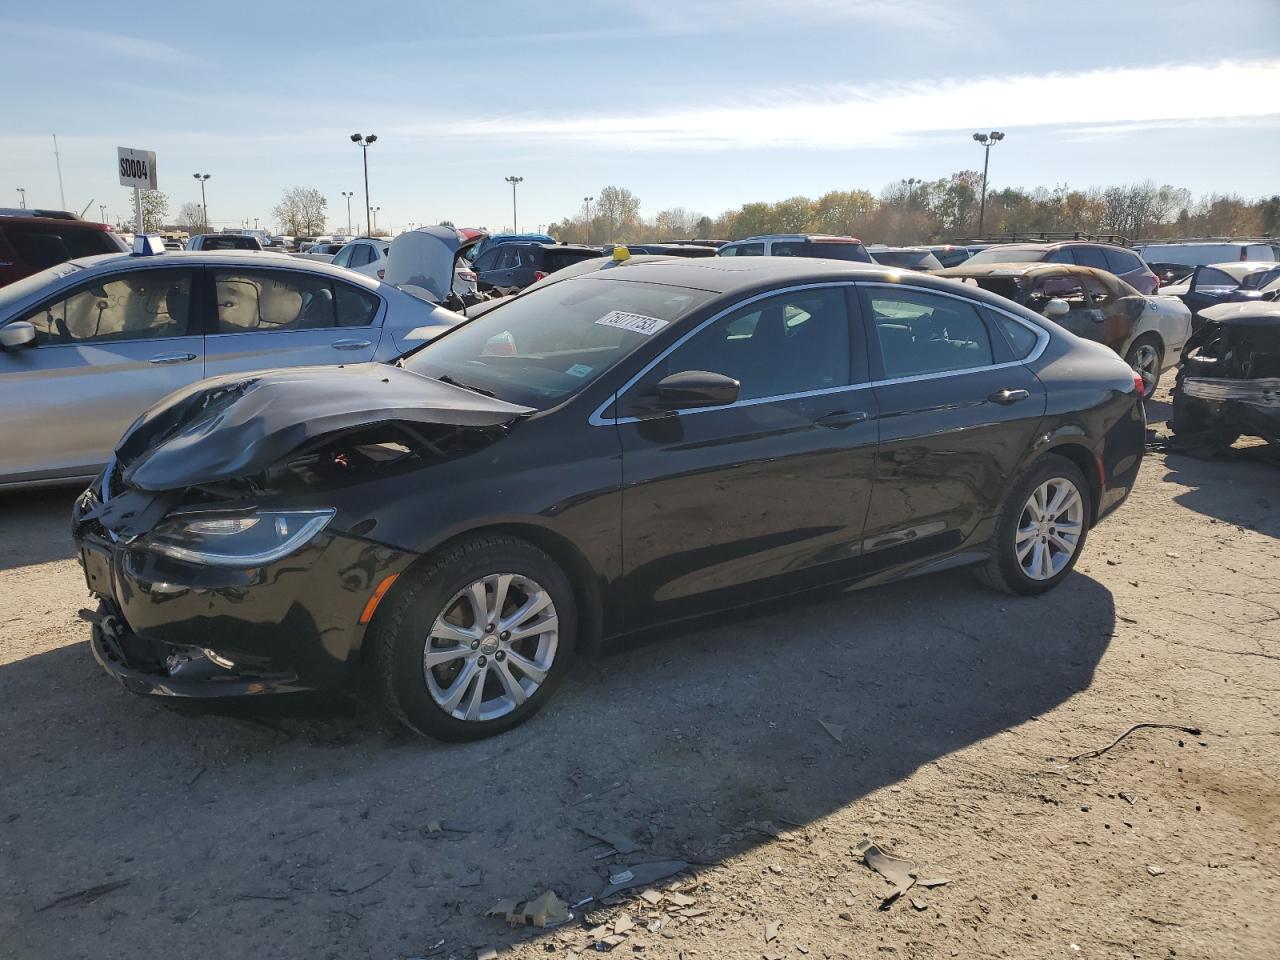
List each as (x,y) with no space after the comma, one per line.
(369,255)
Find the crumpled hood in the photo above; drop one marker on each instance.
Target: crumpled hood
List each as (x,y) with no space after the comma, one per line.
(241,424)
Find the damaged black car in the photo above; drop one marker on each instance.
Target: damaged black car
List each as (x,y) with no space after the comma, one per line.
(1228,384)
(646,441)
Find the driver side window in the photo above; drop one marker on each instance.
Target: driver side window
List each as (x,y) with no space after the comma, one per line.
(146,305)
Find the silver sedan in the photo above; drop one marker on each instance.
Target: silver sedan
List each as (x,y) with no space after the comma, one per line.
(88,345)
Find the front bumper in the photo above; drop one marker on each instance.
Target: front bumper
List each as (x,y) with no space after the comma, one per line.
(171,628)
(1250,407)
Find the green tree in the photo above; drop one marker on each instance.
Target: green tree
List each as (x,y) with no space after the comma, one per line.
(155,207)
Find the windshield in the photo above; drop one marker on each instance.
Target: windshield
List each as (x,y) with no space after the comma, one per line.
(1260,279)
(1008,255)
(21,289)
(550,343)
(909,259)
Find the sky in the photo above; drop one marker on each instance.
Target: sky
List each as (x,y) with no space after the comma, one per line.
(701,104)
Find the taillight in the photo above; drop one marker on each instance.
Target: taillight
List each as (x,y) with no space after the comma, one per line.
(468,276)
(381,274)
(538,275)
(1139,384)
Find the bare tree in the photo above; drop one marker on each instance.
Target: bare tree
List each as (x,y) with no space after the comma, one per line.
(301,211)
(191,217)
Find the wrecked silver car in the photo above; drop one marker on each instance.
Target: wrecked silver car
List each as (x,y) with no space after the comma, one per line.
(1229,382)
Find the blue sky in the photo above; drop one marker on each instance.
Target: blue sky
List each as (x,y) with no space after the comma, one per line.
(703,104)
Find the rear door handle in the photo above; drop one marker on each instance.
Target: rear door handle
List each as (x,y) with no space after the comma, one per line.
(840,419)
(1007,396)
(173,358)
(350,344)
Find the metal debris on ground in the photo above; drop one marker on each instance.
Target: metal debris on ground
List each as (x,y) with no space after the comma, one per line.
(900,873)
(641,875)
(938,882)
(620,842)
(834,729)
(545,911)
(1193,731)
(771,931)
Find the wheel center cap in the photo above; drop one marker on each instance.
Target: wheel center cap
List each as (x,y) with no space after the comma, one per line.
(489,645)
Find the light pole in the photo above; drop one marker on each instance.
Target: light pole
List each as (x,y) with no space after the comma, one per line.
(204,206)
(515,222)
(22,196)
(375,220)
(586,202)
(348,194)
(986,139)
(364,146)
(102,211)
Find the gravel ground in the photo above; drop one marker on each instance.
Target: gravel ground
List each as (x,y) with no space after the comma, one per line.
(315,829)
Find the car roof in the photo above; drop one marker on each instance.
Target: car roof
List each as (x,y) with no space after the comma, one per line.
(1010,269)
(815,237)
(730,274)
(221,258)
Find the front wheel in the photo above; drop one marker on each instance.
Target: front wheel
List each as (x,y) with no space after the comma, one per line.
(1146,358)
(475,642)
(1041,530)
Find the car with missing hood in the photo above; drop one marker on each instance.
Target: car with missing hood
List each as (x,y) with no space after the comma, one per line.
(647,440)
(88,345)
(1228,385)
(1231,282)
(1148,331)
(1106,257)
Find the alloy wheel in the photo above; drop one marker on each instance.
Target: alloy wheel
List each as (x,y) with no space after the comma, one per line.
(1049,529)
(491,648)
(1146,361)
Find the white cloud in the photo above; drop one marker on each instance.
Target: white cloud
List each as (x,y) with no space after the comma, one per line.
(101,42)
(889,114)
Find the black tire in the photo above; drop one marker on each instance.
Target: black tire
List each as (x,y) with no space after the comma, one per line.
(401,630)
(1003,571)
(1131,358)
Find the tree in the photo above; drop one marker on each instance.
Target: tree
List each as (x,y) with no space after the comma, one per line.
(155,205)
(301,211)
(617,213)
(191,217)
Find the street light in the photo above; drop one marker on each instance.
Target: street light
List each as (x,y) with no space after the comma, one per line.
(102,212)
(515,223)
(204,207)
(348,194)
(364,146)
(987,140)
(22,196)
(586,201)
(375,220)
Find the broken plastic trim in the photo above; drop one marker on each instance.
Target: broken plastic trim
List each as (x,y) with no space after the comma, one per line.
(1263,392)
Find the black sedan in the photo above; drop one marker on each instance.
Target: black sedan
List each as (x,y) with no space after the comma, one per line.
(637,443)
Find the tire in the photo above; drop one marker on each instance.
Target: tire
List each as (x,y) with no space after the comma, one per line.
(1008,572)
(1146,356)
(432,613)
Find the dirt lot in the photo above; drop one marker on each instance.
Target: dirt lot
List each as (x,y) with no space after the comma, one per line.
(310,829)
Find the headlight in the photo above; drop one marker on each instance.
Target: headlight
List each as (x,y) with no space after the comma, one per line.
(237,540)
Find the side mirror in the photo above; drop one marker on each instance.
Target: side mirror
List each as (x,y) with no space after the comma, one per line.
(1057,307)
(16,335)
(697,388)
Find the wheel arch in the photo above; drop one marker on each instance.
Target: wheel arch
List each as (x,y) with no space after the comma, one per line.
(1086,462)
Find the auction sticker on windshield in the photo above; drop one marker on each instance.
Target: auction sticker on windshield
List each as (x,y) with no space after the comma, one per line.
(635,322)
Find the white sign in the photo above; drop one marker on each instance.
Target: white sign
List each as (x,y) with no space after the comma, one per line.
(635,322)
(137,168)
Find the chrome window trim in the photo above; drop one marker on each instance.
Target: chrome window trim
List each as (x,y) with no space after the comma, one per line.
(598,418)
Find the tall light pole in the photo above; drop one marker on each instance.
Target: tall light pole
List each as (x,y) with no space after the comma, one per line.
(986,139)
(375,220)
(102,212)
(204,206)
(22,197)
(515,222)
(348,194)
(58,159)
(364,146)
(586,202)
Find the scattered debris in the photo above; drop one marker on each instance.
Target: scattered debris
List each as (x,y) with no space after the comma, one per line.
(771,931)
(487,953)
(80,897)
(1127,797)
(836,730)
(900,873)
(372,872)
(919,904)
(622,923)
(679,899)
(938,882)
(1154,870)
(642,875)
(619,841)
(1193,731)
(652,897)
(544,911)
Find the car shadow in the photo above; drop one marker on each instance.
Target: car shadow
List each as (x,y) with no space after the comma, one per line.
(282,828)
(1251,498)
(37,526)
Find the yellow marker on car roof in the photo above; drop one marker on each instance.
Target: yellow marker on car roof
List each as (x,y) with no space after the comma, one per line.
(621,254)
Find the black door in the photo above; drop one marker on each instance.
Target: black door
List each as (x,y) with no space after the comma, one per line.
(957,414)
(765,495)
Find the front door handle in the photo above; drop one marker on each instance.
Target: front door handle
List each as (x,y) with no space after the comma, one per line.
(350,344)
(840,419)
(173,358)
(1008,396)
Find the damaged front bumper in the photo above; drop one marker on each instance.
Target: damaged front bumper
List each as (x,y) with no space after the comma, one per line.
(168,627)
(1263,392)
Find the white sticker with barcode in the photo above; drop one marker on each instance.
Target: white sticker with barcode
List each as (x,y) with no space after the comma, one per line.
(635,322)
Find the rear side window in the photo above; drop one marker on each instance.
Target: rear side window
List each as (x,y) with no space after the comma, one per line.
(922,333)
(229,243)
(1209,277)
(1121,261)
(789,248)
(255,301)
(855,252)
(1258,251)
(1021,340)
(41,247)
(1091,257)
(563,258)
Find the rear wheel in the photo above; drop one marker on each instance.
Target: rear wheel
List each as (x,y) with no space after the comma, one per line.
(475,642)
(1041,530)
(1146,357)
